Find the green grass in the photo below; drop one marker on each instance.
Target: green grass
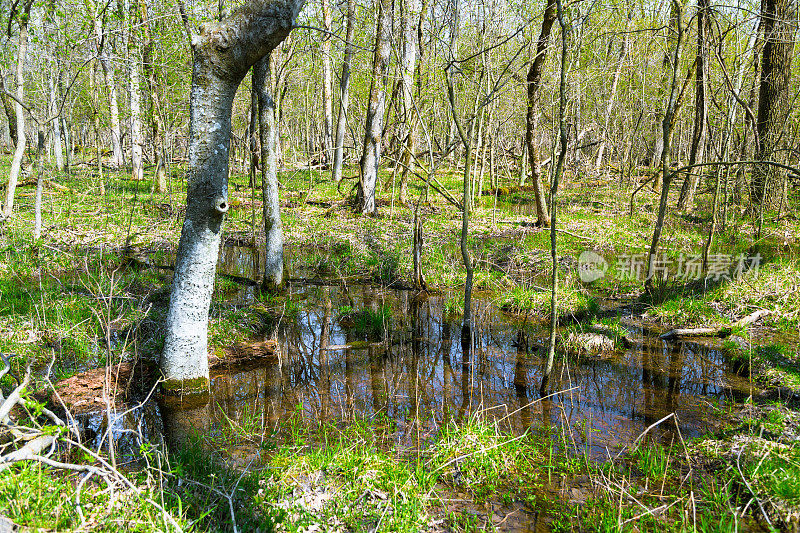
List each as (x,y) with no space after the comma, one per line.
(61,298)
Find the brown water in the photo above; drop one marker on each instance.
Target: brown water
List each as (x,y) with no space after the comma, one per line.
(413,369)
(406,368)
(331,370)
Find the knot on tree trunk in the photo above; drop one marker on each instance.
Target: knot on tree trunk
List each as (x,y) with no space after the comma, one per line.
(221,205)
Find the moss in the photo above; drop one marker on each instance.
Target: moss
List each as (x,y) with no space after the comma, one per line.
(185,387)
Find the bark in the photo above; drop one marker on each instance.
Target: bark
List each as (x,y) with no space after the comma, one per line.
(117,158)
(19,151)
(268,133)
(327,93)
(534,82)
(686,199)
(562,129)
(408,68)
(135,100)
(373,136)
(37,205)
(8,108)
(58,145)
(466,328)
(154,101)
(666,129)
(344,87)
(222,55)
(779,26)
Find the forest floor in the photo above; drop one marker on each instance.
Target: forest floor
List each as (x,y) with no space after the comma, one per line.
(92,292)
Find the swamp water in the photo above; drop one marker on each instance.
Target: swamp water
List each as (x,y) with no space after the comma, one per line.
(361,352)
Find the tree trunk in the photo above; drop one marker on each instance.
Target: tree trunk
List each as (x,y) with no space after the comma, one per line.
(37,204)
(58,145)
(779,22)
(117,157)
(686,199)
(19,151)
(135,98)
(8,108)
(341,121)
(562,153)
(327,93)
(93,88)
(466,328)
(268,133)
(419,279)
(534,82)
(373,136)
(408,68)
(675,22)
(222,55)
(666,129)
(154,102)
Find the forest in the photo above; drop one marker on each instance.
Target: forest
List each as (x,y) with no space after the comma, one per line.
(399,265)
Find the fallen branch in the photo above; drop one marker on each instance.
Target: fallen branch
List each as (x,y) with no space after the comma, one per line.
(720,331)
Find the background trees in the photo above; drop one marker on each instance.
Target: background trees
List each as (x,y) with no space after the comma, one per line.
(106,83)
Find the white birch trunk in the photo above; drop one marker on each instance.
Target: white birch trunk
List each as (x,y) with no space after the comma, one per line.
(408,66)
(327,92)
(58,145)
(117,157)
(135,98)
(344,99)
(222,55)
(373,136)
(19,151)
(268,132)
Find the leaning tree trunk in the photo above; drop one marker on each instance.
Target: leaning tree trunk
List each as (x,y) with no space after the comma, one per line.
(696,155)
(779,23)
(341,121)
(268,133)
(19,151)
(534,82)
(373,135)
(221,57)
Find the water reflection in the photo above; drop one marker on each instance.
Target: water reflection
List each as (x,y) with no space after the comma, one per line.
(331,370)
(326,368)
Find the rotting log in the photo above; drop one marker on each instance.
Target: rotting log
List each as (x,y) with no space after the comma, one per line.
(720,331)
